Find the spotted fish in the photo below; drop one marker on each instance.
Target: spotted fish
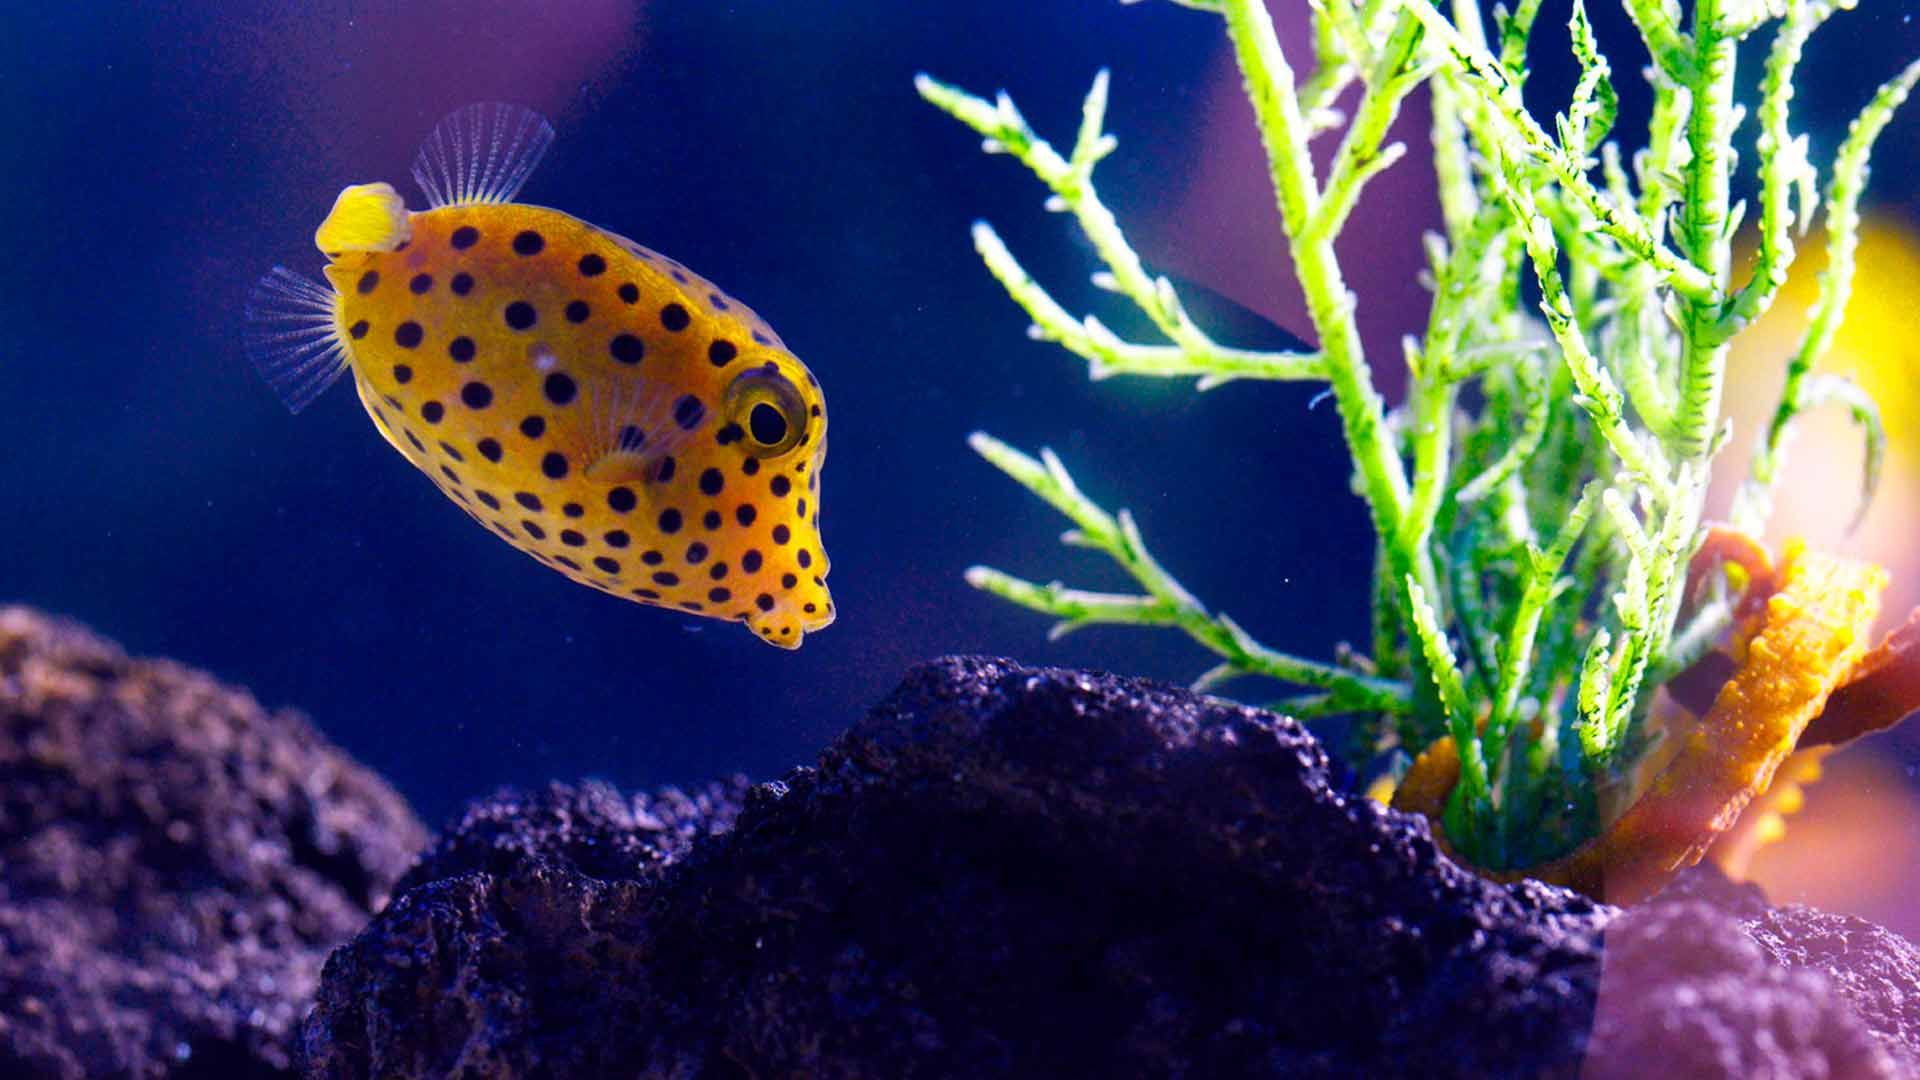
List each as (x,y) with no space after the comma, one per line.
(594,403)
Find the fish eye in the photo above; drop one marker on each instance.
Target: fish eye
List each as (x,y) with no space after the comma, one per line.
(768,407)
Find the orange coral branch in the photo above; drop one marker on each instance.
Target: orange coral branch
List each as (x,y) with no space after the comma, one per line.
(1811,635)
(1882,690)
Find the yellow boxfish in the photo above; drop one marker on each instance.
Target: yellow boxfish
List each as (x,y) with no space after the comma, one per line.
(598,405)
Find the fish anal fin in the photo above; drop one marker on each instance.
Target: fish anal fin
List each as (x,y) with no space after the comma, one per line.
(483,153)
(293,337)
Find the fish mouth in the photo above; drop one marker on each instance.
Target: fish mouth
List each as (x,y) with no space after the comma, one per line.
(787,627)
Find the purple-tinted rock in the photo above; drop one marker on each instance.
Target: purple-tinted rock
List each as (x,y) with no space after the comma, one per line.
(177,863)
(1687,987)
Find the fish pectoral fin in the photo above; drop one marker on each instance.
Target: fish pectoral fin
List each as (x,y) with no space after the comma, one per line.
(635,425)
(622,467)
(481,154)
(293,336)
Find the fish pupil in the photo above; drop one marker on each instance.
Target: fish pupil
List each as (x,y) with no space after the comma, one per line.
(767,425)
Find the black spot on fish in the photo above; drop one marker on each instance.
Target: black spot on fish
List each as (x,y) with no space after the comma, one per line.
(572,538)
(489,501)
(606,564)
(764,602)
(560,388)
(673,317)
(461,349)
(476,395)
(407,335)
(368,282)
(618,538)
(421,283)
(664,471)
(489,448)
(534,530)
(358,330)
(729,434)
(528,499)
(577,311)
(402,374)
(805,558)
(451,452)
(721,353)
(781,534)
(528,242)
(665,577)
(711,519)
(621,500)
(669,520)
(432,411)
(573,510)
(750,466)
(462,284)
(464,237)
(554,465)
(750,562)
(520,315)
(745,514)
(627,349)
(696,553)
(592,265)
(780,486)
(718,571)
(652,558)
(719,595)
(688,412)
(711,481)
(533,427)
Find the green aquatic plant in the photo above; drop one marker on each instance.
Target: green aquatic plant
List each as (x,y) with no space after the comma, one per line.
(1538,497)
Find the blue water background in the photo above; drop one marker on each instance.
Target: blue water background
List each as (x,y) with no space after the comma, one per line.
(160,157)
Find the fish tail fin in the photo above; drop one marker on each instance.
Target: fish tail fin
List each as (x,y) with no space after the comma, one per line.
(481,154)
(293,337)
(366,217)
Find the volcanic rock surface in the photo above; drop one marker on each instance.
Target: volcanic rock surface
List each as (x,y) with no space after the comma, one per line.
(1013,872)
(177,863)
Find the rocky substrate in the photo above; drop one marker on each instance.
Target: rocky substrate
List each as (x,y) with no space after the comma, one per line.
(999,872)
(1005,871)
(175,863)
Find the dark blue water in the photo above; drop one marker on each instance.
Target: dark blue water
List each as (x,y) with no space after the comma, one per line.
(160,157)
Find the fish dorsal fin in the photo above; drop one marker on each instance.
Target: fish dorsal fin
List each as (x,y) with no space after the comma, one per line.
(481,154)
(634,424)
(292,336)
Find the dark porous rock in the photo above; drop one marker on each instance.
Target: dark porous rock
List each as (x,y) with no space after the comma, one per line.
(1012,872)
(177,863)
(590,829)
(1000,872)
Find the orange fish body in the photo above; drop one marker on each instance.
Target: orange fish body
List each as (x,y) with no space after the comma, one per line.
(594,403)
